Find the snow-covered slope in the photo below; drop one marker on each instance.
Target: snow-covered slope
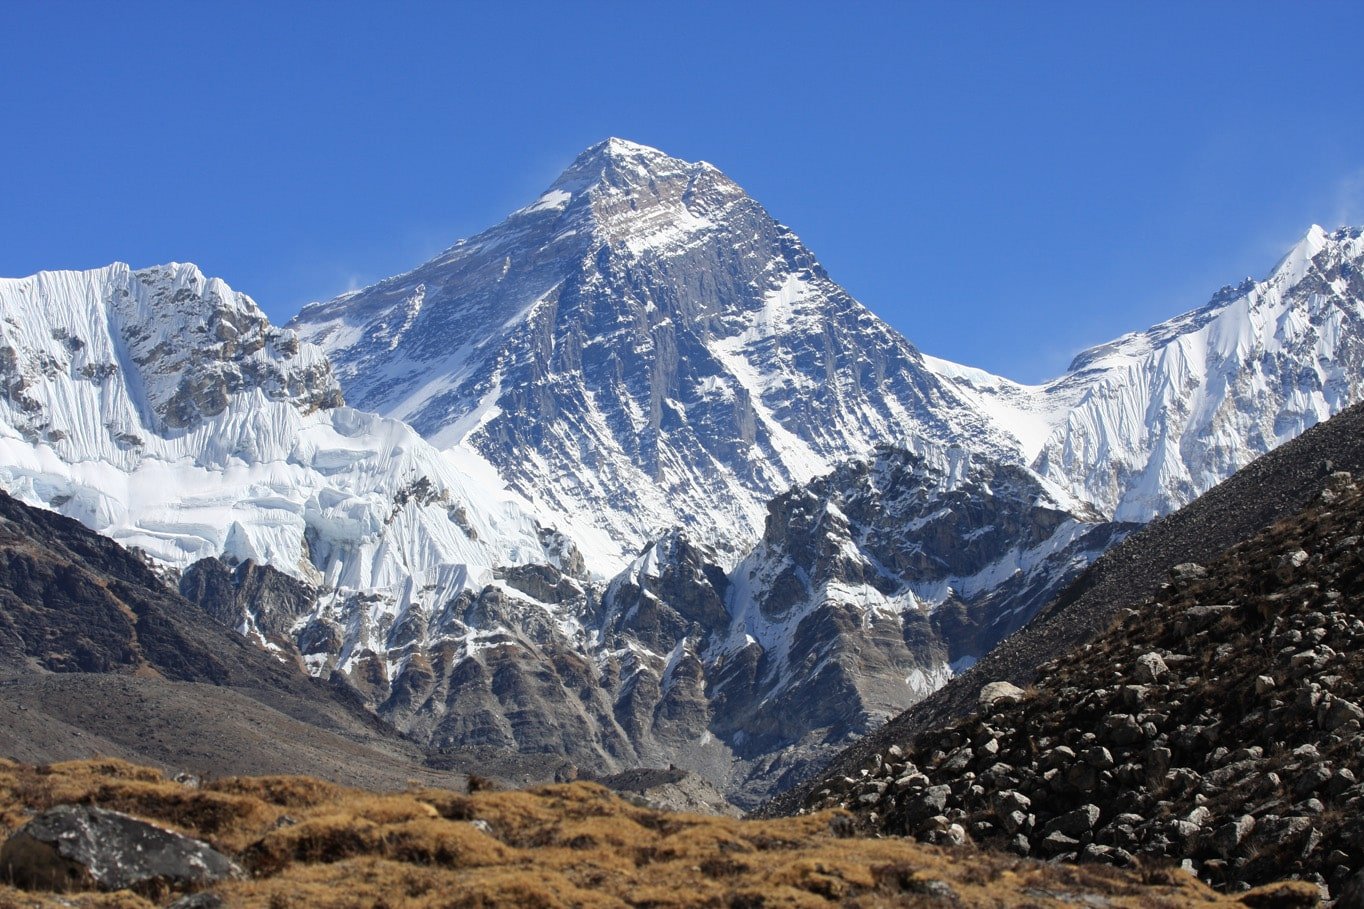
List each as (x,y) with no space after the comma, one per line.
(643,347)
(162,409)
(1145,424)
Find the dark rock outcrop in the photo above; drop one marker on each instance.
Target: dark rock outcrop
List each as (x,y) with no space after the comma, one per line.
(249,598)
(80,847)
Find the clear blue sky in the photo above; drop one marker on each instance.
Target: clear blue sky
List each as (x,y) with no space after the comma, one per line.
(1004,182)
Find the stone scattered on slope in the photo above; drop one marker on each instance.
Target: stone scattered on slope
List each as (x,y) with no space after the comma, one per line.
(1220,727)
(79,847)
(1000,693)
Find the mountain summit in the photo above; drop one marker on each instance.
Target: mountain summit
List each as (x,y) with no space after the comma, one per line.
(642,347)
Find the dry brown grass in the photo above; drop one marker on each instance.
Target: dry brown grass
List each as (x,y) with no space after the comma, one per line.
(317,845)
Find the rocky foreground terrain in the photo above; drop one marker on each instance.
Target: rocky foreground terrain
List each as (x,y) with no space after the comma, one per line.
(1219,726)
(1273,488)
(298,842)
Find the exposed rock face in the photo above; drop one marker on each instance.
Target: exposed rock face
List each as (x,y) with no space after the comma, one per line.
(516,681)
(197,343)
(675,589)
(1220,725)
(254,600)
(855,603)
(79,847)
(192,342)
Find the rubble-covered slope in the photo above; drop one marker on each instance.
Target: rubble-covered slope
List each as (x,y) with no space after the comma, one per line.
(1218,725)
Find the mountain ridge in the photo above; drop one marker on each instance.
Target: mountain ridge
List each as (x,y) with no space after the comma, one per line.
(1269,490)
(672,425)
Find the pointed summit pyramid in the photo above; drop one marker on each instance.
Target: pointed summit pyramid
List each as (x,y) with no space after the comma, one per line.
(641,347)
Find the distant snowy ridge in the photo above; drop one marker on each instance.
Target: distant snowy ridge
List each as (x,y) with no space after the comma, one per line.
(1145,424)
(162,409)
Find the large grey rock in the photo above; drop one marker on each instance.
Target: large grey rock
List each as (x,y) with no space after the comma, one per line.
(1077,822)
(1000,693)
(1150,668)
(80,847)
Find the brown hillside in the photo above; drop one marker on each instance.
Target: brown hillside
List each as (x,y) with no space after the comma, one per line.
(314,844)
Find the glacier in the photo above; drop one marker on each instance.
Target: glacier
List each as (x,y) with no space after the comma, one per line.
(161,408)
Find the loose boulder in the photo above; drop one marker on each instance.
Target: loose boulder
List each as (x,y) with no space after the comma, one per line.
(1150,668)
(79,847)
(999,694)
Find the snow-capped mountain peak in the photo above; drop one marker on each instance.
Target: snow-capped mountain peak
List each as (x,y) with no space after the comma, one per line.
(641,347)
